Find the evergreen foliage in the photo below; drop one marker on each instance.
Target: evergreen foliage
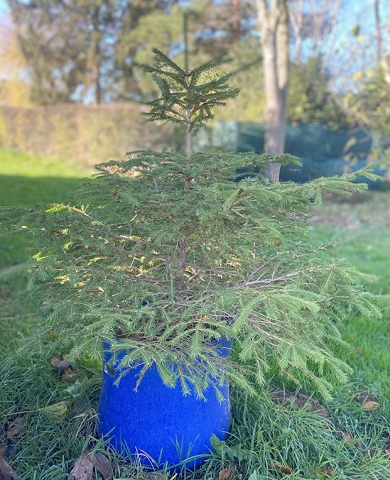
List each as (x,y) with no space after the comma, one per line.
(167,253)
(187,96)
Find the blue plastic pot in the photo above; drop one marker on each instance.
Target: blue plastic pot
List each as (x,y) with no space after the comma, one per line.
(159,425)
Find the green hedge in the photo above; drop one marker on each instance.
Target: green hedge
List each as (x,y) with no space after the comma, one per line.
(91,134)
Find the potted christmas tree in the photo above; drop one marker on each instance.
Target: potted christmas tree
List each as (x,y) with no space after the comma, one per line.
(166,258)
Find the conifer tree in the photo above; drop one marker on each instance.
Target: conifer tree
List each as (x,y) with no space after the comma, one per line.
(187,97)
(169,251)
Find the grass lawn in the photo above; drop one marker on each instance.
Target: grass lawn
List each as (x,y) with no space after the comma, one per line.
(27,179)
(48,420)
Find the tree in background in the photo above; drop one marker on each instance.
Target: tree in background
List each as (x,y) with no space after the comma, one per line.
(227,28)
(274,25)
(361,84)
(14,81)
(308,26)
(313,26)
(247,69)
(89,52)
(73,48)
(310,96)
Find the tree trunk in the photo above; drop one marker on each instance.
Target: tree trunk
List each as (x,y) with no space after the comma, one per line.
(235,21)
(273,20)
(378,35)
(95,58)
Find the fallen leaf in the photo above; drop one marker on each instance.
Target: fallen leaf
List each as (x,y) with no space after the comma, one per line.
(102,465)
(15,427)
(83,469)
(60,365)
(57,411)
(6,472)
(323,472)
(55,361)
(69,375)
(328,471)
(370,405)
(226,473)
(283,468)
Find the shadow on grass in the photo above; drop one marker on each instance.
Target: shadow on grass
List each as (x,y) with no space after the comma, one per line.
(28,191)
(20,191)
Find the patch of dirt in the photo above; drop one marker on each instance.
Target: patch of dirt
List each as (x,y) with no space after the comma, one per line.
(362,397)
(299,400)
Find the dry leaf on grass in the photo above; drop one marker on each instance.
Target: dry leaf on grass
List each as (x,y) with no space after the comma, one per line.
(283,468)
(83,469)
(226,473)
(328,471)
(57,412)
(60,365)
(6,472)
(64,369)
(370,405)
(323,472)
(102,465)
(69,375)
(15,427)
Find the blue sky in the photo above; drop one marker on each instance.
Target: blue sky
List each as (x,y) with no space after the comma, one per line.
(3,7)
